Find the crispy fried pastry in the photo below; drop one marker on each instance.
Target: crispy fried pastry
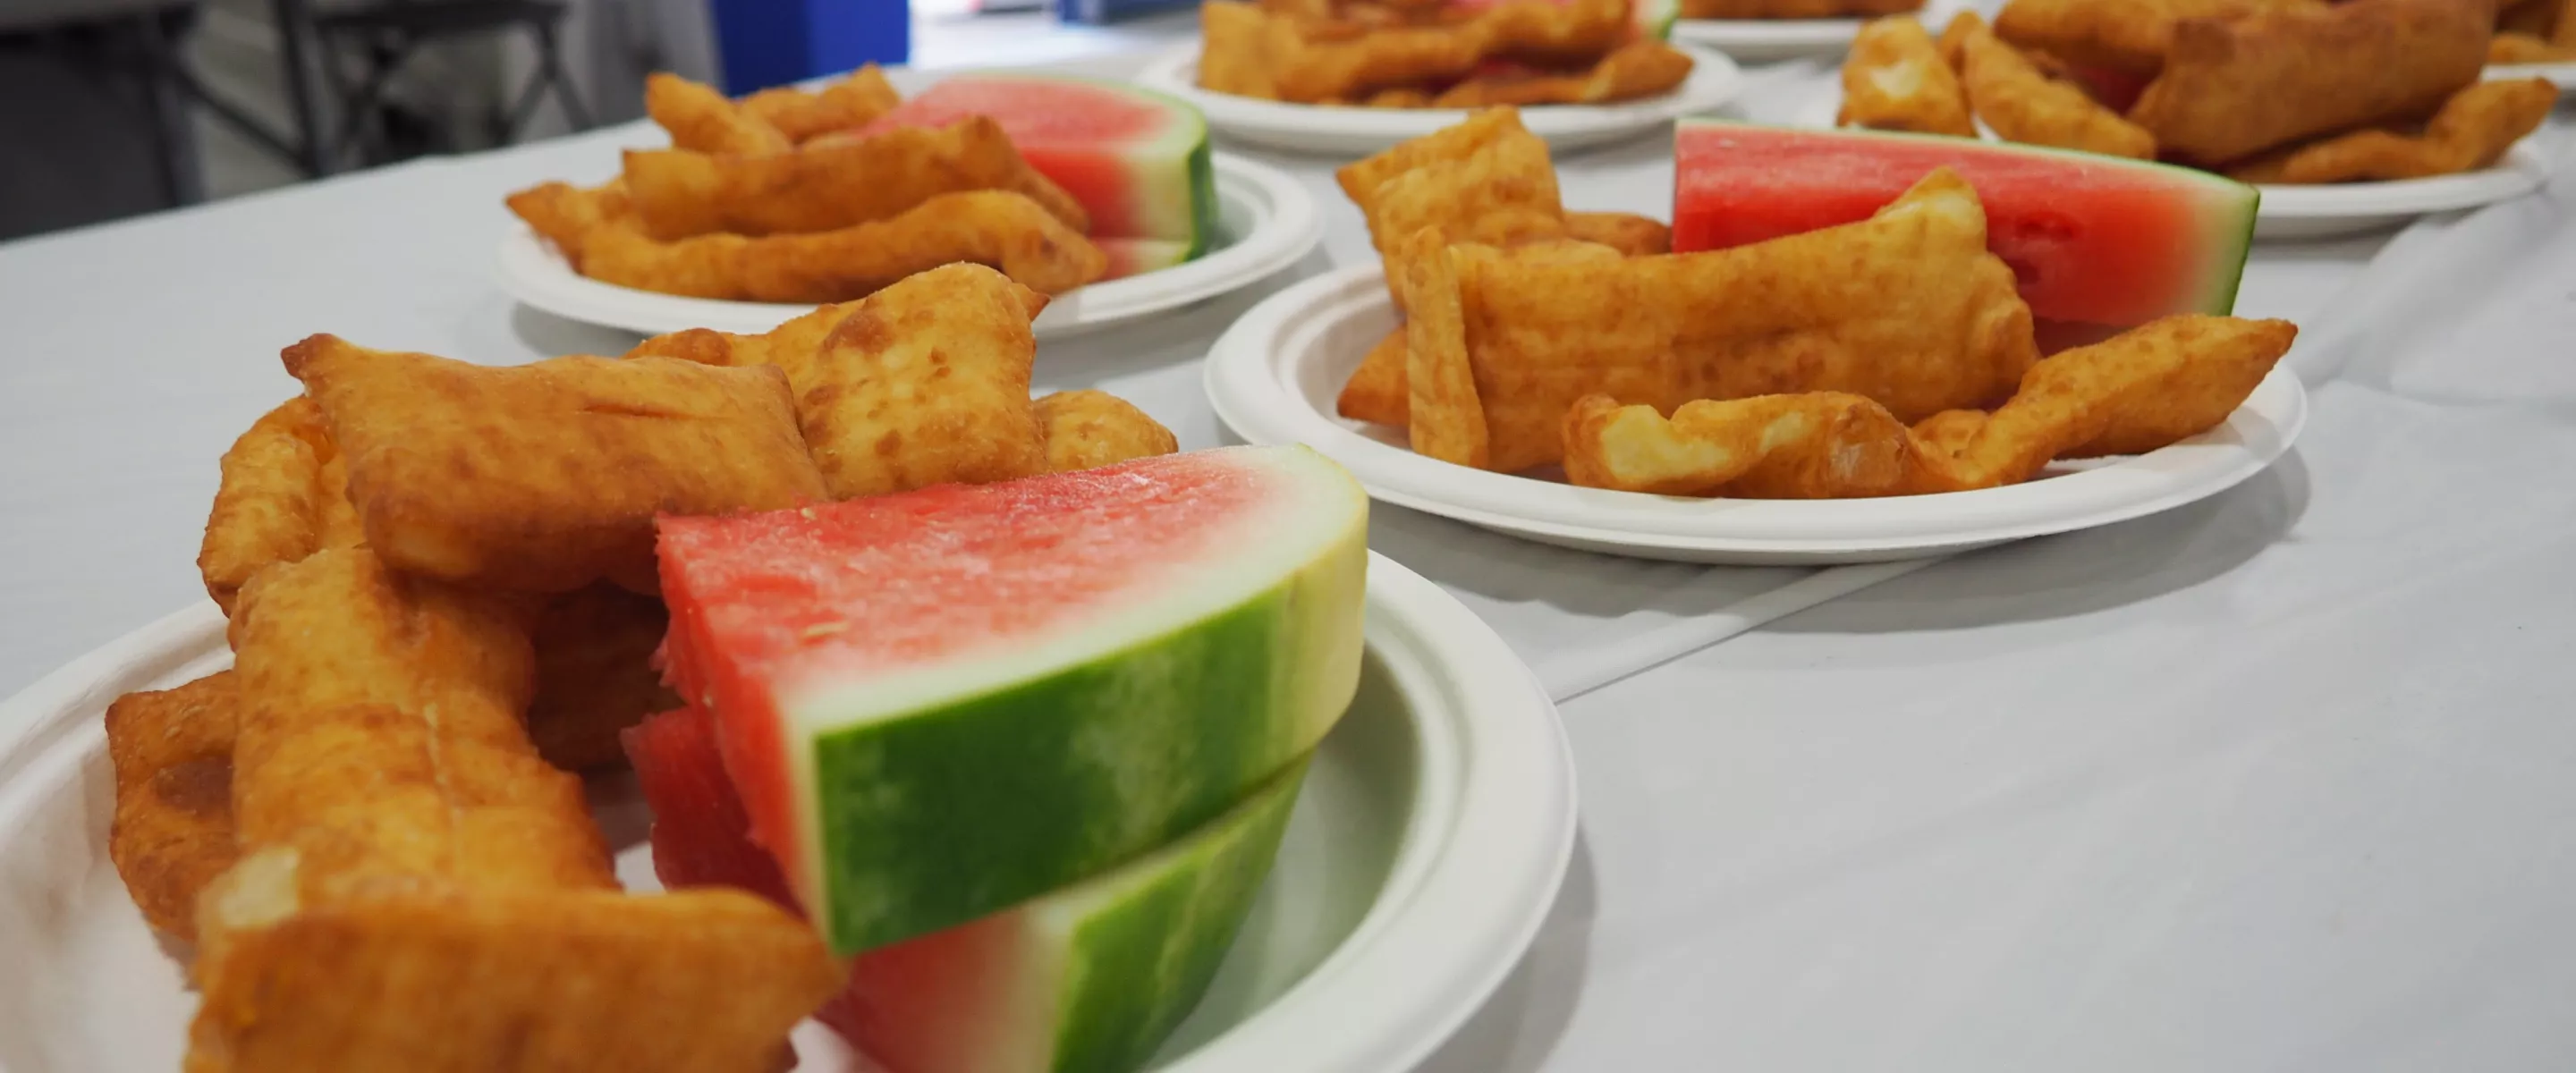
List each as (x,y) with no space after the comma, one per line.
(419,891)
(546,477)
(1090,429)
(1500,189)
(2122,35)
(2525,48)
(701,120)
(679,194)
(1953,42)
(2024,105)
(2472,131)
(595,676)
(1254,53)
(2530,18)
(926,382)
(1642,68)
(283,496)
(848,104)
(1377,391)
(566,215)
(1816,445)
(1630,234)
(173,832)
(2145,389)
(1795,9)
(1894,79)
(1906,308)
(2231,89)
(997,228)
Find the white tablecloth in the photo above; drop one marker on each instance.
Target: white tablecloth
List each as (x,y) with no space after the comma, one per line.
(2274,781)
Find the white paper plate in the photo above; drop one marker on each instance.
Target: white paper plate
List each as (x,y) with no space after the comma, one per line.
(1433,830)
(1266,222)
(1273,378)
(2562,73)
(2331,210)
(1310,128)
(1771,40)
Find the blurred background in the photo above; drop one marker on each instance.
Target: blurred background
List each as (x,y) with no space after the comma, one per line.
(120,107)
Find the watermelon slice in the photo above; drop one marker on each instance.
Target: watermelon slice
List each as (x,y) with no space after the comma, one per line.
(2094,239)
(1137,160)
(1137,256)
(1092,977)
(942,703)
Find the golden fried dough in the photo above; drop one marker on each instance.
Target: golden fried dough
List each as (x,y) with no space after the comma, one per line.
(1377,390)
(283,496)
(1446,420)
(173,831)
(595,677)
(926,382)
(2529,18)
(1906,308)
(2142,390)
(990,227)
(1894,79)
(2121,35)
(567,215)
(1816,445)
(2472,131)
(2525,48)
(1090,429)
(680,194)
(848,104)
(1630,234)
(1953,42)
(707,980)
(546,477)
(2231,89)
(1250,52)
(419,891)
(1641,68)
(1795,9)
(701,120)
(2023,105)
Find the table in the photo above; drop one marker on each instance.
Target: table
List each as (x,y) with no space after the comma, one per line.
(2275,781)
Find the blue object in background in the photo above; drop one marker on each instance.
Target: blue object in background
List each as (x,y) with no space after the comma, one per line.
(764,43)
(1100,11)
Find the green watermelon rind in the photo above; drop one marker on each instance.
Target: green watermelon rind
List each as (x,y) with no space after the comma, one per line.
(1142,943)
(2227,209)
(1187,121)
(1082,762)
(1655,18)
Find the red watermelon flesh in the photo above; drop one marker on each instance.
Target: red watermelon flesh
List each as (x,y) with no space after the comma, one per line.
(1137,160)
(2093,239)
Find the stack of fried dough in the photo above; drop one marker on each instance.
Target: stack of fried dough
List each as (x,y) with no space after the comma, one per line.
(441,585)
(1433,53)
(2534,31)
(1888,357)
(774,198)
(2267,91)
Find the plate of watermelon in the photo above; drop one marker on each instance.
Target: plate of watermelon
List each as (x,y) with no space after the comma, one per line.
(2334,210)
(1350,910)
(1180,223)
(1274,378)
(1308,128)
